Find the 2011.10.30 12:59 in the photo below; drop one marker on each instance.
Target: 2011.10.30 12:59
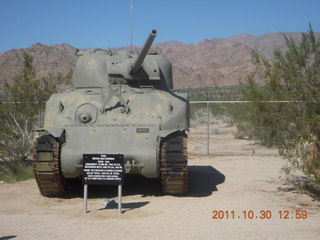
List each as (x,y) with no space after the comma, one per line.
(261,214)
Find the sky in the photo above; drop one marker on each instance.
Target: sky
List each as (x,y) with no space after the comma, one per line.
(107,23)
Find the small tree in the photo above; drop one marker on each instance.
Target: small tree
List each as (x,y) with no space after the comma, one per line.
(19,116)
(292,80)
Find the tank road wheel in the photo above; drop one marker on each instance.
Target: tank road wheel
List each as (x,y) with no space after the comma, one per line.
(174,165)
(46,166)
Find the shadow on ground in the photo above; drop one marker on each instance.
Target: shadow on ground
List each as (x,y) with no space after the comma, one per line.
(8,237)
(133,185)
(126,207)
(203,181)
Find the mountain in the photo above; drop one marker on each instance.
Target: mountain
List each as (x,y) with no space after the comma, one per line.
(215,62)
(46,59)
(220,62)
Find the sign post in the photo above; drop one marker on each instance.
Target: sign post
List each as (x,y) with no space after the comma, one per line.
(85,197)
(103,169)
(120,198)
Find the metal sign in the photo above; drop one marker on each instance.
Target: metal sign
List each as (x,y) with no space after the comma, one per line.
(103,169)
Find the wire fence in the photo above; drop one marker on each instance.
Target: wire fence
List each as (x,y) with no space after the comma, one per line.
(212,132)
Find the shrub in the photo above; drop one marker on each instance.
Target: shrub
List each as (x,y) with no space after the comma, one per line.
(292,82)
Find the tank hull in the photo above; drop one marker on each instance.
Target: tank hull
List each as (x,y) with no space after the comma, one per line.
(137,134)
(140,149)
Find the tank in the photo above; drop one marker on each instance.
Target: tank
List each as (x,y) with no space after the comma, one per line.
(120,103)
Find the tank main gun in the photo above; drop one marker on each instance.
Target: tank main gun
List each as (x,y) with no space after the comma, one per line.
(136,66)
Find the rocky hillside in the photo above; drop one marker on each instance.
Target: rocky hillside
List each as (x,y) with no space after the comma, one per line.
(46,59)
(216,62)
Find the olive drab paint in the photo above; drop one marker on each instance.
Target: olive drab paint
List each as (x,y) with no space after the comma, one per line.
(120,103)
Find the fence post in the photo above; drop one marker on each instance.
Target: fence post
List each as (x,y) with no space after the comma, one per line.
(208,128)
(39,117)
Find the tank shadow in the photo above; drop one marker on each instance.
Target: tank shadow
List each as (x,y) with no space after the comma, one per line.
(137,184)
(133,185)
(8,237)
(203,181)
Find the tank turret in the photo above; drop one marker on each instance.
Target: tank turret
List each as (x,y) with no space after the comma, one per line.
(98,68)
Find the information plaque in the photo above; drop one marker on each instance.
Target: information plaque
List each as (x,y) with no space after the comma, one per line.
(103,169)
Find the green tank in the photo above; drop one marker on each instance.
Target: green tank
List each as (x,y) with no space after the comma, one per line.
(120,103)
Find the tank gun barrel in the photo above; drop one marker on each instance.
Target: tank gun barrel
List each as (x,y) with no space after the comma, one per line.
(138,63)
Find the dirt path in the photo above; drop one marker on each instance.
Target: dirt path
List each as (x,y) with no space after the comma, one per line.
(227,182)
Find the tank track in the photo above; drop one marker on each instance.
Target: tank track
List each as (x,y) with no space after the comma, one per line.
(46,166)
(174,165)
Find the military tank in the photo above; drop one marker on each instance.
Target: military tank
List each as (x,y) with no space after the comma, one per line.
(120,103)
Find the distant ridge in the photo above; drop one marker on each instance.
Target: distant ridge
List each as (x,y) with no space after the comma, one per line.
(215,62)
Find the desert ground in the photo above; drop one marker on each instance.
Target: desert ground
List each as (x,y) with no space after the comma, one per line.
(237,177)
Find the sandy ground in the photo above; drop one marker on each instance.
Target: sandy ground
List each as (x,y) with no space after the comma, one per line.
(239,176)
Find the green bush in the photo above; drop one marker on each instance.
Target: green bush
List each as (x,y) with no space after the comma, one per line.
(292,81)
(16,171)
(26,94)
